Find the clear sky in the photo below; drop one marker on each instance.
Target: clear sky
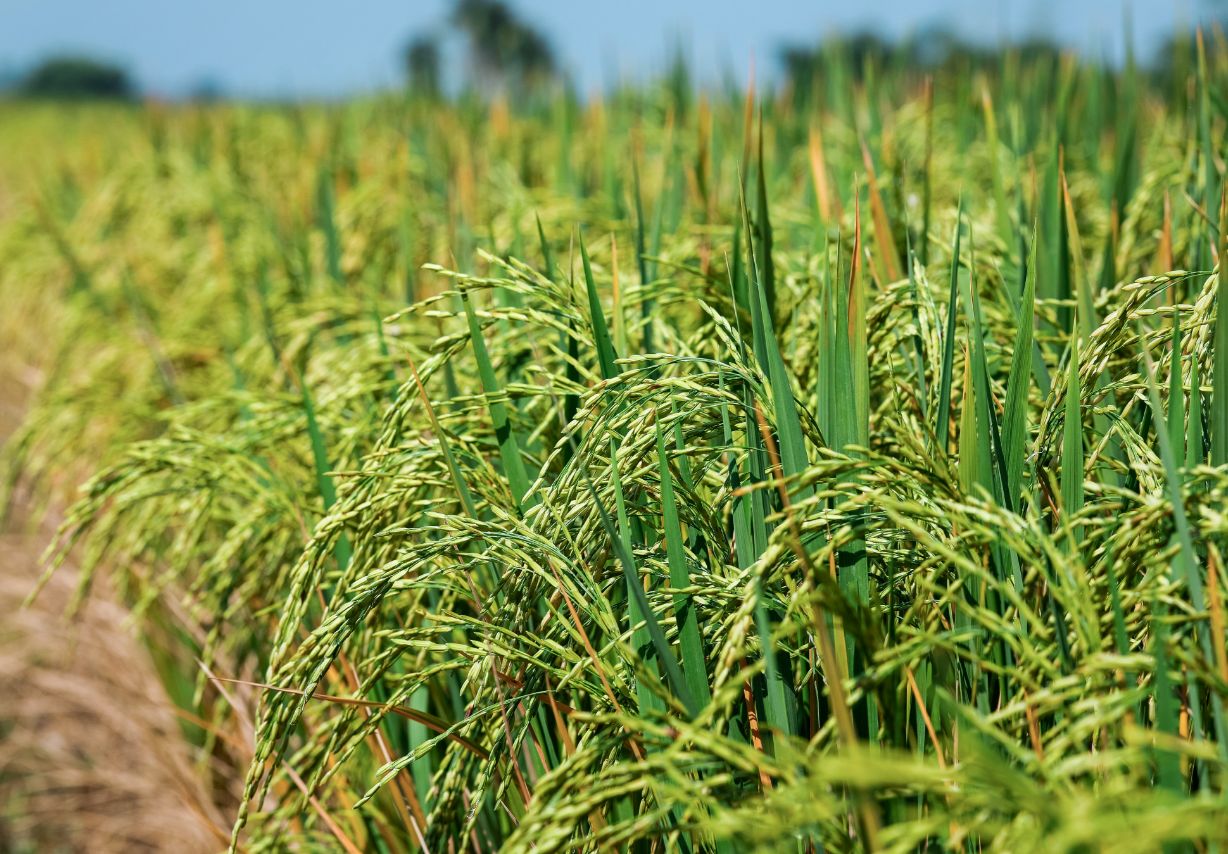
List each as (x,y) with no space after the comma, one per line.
(327,48)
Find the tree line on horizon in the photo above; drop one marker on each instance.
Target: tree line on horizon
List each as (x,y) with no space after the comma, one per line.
(507,53)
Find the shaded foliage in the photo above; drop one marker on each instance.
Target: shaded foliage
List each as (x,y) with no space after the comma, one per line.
(73,77)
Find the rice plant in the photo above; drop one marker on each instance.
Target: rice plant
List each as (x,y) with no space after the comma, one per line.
(837,469)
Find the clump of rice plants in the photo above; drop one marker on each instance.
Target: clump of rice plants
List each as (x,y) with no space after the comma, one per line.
(841,470)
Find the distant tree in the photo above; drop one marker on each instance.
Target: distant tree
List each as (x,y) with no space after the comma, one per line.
(76,77)
(504,50)
(678,79)
(867,49)
(934,48)
(207,90)
(804,64)
(1176,56)
(422,65)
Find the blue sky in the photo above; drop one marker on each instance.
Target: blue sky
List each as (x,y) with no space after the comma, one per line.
(326,48)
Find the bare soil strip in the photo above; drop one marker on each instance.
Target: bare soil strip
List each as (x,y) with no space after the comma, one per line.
(92,757)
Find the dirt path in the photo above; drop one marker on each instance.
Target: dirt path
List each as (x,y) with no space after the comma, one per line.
(92,758)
